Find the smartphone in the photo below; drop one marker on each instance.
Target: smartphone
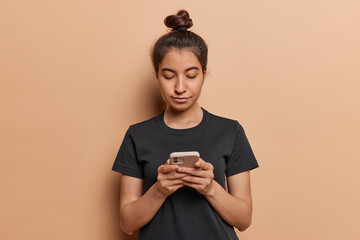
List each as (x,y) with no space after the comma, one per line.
(185,159)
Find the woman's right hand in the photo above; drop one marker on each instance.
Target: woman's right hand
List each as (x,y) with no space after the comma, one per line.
(168,179)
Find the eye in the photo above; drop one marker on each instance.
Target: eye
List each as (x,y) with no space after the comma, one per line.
(192,76)
(168,77)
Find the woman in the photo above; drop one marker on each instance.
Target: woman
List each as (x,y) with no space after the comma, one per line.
(165,201)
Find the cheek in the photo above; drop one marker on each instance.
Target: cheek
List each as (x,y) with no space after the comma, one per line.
(164,87)
(196,87)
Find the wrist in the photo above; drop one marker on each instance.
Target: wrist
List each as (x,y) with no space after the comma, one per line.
(159,194)
(212,189)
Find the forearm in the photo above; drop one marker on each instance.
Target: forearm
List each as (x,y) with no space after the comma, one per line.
(235,211)
(136,214)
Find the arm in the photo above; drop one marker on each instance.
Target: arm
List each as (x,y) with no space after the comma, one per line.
(136,210)
(234,207)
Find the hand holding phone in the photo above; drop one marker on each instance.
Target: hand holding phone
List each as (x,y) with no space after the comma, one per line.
(168,179)
(185,159)
(199,177)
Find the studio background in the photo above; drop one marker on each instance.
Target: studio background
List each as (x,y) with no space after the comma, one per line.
(75,74)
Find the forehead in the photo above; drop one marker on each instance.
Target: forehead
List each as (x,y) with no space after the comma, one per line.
(180,59)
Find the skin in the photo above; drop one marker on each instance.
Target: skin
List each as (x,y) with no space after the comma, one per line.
(180,80)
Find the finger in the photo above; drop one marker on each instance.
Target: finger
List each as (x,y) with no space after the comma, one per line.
(170,183)
(171,175)
(167,162)
(176,187)
(174,175)
(196,172)
(201,188)
(192,185)
(204,165)
(167,168)
(196,180)
(192,171)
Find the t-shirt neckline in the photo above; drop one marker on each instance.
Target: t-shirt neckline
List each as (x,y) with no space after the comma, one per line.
(185,131)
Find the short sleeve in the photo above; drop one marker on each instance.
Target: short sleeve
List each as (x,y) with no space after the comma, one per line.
(126,161)
(242,157)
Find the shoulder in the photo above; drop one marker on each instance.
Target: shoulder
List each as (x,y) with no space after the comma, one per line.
(145,126)
(223,122)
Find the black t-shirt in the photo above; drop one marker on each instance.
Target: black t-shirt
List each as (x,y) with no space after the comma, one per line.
(185,214)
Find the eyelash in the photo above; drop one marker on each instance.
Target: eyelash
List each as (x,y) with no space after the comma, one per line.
(191,77)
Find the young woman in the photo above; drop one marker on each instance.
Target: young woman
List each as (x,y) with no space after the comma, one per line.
(166,201)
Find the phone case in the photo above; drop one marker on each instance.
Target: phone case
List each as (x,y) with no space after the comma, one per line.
(185,159)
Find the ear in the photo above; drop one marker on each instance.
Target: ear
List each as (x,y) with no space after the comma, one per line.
(156,76)
(204,73)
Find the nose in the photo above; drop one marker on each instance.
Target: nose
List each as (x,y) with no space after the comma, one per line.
(180,85)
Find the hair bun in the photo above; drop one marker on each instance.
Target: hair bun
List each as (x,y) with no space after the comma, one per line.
(180,21)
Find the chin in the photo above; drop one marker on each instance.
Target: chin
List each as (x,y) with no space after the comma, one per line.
(179,108)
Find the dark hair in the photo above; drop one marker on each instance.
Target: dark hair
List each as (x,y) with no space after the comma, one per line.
(179,38)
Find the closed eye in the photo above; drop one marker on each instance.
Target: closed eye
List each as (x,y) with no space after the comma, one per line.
(191,77)
(168,77)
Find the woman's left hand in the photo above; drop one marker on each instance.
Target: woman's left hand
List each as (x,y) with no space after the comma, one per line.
(199,178)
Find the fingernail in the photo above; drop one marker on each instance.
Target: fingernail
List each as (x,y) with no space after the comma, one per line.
(179,169)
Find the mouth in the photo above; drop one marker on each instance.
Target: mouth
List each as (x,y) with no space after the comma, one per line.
(180,99)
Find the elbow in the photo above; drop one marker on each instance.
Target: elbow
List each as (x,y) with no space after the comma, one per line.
(242,228)
(126,230)
(129,233)
(244,221)
(243,225)
(126,227)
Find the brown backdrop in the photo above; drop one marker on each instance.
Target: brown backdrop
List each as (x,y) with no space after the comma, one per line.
(75,74)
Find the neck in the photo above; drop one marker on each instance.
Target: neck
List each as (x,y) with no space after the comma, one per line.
(183,119)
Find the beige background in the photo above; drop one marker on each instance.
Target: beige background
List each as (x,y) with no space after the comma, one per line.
(75,74)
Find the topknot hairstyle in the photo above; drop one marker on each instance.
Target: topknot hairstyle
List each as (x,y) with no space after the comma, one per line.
(180,20)
(180,38)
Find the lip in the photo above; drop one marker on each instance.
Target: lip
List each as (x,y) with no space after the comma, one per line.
(180,99)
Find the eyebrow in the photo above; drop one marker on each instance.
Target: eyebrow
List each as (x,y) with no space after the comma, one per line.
(172,70)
